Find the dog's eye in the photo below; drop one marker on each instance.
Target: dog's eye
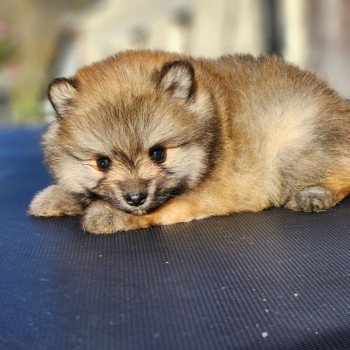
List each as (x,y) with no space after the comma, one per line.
(103,163)
(157,154)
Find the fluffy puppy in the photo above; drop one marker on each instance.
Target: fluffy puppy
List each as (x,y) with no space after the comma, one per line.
(152,138)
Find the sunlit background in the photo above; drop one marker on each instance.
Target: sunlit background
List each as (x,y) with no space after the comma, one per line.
(42,39)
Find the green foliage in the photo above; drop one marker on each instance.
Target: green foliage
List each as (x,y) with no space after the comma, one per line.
(6,52)
(27,111)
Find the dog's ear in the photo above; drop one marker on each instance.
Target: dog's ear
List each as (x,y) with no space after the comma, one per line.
(61,93)
(178,79)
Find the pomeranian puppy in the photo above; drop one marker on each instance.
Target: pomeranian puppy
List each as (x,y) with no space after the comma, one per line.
(151,138)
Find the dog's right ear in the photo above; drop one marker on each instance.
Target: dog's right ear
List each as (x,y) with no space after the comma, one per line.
(61,93)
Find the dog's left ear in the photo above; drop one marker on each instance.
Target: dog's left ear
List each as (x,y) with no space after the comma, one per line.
(177,78)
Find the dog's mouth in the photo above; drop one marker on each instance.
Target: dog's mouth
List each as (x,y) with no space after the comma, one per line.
(148,207)
(152,203)
(140,211)
(160,196)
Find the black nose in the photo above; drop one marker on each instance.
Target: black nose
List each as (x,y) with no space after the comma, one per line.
(135,198)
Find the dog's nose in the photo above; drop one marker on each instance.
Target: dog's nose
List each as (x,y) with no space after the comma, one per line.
(135,198)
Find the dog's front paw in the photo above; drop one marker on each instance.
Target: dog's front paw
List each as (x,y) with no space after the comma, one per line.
(54,201)
(102,218)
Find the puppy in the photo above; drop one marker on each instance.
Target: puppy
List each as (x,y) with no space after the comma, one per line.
(151,138)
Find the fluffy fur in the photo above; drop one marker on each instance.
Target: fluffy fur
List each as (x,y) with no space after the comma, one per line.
(240,134)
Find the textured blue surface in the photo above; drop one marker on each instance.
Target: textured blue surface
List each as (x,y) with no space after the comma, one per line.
(271,280)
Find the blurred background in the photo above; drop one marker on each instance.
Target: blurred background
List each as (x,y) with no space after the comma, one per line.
(42,39)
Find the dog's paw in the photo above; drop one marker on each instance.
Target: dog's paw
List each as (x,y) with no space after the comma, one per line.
(102,218)
(55,201)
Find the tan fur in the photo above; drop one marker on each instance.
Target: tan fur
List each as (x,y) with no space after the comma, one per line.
(241,134)
(55,200)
